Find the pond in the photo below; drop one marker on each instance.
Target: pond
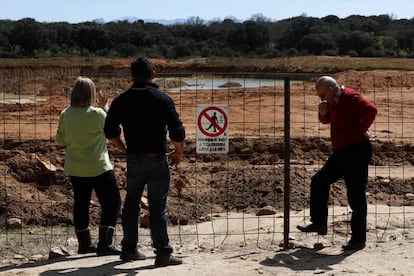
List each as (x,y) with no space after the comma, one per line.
(223,83)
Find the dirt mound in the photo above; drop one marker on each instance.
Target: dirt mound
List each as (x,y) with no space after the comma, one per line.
(250,177)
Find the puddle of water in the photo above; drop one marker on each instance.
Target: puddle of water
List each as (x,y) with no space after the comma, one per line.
(220,83)
(19,99)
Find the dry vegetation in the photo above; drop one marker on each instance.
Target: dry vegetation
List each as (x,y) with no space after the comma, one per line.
(311,64)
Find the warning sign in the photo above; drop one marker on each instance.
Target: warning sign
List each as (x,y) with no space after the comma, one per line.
(212,129)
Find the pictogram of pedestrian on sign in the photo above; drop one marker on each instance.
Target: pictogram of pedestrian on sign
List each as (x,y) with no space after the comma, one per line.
(212,129)
(213,123)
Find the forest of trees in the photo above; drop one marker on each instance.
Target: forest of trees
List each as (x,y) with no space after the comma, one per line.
(372,36)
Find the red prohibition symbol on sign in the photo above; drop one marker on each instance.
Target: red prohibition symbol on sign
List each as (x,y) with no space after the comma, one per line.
(217,130)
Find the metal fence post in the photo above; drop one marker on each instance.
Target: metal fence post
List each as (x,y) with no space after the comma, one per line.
(286,153)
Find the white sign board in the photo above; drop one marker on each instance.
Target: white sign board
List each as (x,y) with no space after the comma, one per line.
(212,129)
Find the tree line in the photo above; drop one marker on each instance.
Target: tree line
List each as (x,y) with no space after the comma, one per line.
(372,36)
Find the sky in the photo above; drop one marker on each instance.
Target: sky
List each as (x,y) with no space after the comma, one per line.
(76,11)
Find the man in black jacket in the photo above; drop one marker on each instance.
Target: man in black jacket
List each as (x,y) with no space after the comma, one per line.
(146,115)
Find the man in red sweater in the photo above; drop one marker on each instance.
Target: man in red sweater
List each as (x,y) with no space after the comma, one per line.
(350,116)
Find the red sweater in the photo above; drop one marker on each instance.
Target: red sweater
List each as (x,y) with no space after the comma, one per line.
(349,119)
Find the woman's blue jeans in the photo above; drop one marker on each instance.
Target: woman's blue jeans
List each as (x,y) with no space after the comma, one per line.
(153,171)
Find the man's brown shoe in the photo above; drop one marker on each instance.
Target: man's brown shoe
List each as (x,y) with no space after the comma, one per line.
(161,261)
(321,229)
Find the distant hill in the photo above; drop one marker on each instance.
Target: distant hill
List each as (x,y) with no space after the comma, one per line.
(160,21)
(132,19)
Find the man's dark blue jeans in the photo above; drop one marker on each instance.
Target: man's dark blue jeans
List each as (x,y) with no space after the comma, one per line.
(151,170)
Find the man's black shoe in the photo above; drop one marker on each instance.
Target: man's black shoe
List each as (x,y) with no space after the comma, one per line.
(134,256)
(161,261)
(321,229)
(352,245)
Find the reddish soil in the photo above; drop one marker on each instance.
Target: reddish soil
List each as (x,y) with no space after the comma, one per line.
(250,176)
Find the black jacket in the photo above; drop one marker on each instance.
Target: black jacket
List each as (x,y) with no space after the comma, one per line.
(145,114)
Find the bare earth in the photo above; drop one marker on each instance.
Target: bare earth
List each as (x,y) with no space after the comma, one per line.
(239,255)
(233,188)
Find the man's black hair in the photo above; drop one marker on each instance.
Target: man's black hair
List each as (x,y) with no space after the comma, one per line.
(141,68)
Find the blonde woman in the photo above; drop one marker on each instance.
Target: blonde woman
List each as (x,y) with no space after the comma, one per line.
(87,164)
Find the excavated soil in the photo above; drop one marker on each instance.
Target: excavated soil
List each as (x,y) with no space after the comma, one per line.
(35,189)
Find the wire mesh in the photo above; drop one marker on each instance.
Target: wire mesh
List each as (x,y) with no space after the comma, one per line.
(218,188)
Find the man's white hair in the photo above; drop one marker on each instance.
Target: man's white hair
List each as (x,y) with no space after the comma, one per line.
(326,81)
